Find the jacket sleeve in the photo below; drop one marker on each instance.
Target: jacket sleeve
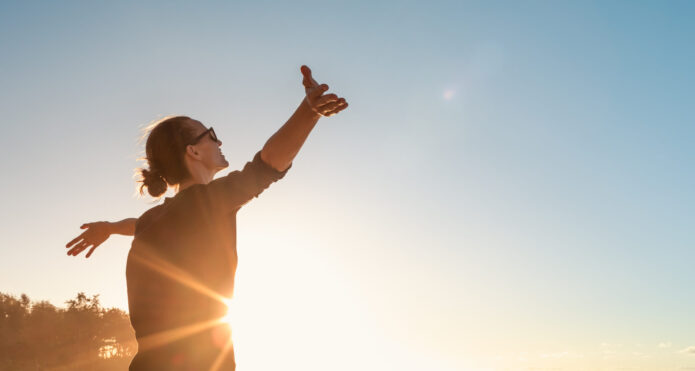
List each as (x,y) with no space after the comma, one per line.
(237,188)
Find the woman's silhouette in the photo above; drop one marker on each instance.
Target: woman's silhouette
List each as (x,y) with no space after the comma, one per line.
(182,262)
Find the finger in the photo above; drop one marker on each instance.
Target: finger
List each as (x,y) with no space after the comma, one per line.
(306,71)
(329,101)
(308,84)
(75,251)
(328,107)
(308,81)
(332,104)
(89,253)
(79,247)
(316,92)
(336,110)
(322,100)
(76,239)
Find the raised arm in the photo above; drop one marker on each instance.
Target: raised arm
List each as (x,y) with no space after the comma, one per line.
(231,192)
(97,233)
(283,146)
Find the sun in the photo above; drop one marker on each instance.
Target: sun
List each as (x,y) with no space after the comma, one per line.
(227,318)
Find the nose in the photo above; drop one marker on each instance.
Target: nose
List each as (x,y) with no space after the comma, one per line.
(219,143)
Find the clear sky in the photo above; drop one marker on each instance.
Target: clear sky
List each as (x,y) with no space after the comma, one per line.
(510,188)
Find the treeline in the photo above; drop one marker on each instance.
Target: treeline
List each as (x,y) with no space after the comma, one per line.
(82,336)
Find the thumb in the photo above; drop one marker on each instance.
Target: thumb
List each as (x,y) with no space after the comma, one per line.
(306,71)
(308,81)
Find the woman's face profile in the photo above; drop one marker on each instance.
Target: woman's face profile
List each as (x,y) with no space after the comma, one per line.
(209,150)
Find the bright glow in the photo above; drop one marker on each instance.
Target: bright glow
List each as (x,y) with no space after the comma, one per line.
(228,316)
(304,311)
(480,228)
(165,337)
(172,272)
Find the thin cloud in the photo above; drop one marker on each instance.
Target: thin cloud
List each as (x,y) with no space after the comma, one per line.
(689,350)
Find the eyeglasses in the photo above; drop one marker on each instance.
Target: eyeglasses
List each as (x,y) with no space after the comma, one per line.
(210,131)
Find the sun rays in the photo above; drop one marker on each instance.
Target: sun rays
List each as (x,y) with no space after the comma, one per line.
(169,270)
(221,331)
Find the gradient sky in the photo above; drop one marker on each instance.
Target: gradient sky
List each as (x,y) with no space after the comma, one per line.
(510,188)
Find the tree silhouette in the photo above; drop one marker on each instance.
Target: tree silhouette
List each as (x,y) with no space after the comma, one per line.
(83,336)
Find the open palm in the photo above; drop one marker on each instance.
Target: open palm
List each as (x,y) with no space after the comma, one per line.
(95,235)
(324,104)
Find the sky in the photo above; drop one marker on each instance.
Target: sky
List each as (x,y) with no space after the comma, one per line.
(509,189)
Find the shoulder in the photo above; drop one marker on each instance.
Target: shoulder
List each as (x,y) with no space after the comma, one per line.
(146,218)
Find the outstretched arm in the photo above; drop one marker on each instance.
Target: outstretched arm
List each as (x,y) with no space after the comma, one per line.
(97,233)
(283,146)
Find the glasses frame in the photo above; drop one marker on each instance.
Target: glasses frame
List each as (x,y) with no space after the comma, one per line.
(210,131)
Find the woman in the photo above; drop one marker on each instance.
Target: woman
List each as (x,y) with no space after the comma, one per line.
(182,262)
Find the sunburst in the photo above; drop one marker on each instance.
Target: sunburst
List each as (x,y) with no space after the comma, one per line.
(174,273)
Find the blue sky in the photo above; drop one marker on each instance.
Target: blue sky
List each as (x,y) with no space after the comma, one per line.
(511,179)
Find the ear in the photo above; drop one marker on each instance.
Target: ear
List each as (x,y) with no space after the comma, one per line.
(191,151)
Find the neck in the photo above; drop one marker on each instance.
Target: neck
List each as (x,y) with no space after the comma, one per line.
(199,175)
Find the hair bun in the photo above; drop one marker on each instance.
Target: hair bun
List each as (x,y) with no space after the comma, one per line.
(165,151)
(155,183)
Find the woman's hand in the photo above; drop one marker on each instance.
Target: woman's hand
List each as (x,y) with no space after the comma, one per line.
(324,105)
(95,235)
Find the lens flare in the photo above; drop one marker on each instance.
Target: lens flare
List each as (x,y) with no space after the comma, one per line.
(227,318)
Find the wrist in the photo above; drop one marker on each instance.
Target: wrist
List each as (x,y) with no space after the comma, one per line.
(110,227)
